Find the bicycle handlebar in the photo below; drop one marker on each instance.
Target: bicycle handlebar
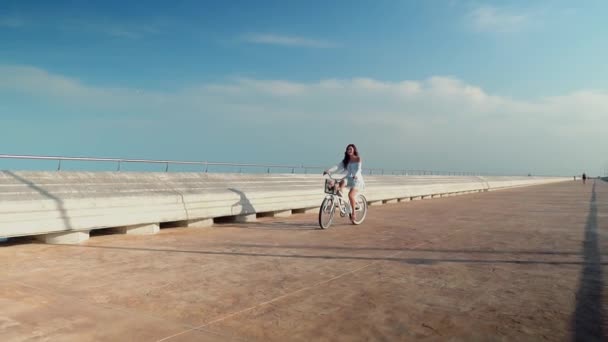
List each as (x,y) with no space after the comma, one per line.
(337,179)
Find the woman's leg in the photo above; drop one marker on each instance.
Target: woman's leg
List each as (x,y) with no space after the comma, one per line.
(352,197)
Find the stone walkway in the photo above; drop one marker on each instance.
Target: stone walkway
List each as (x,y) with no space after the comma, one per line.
(519,264)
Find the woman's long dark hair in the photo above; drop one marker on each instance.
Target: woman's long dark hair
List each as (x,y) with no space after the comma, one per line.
(346,157)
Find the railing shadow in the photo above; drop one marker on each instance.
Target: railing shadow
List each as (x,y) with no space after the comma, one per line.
(587,321)
(58,201)
(277,226)
(417,260)
(404,249)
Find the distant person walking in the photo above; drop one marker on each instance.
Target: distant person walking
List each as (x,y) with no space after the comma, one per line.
(351,164)
(584,178)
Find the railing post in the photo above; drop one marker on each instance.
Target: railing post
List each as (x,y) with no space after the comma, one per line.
(167,168)
(59,165)
(118,167)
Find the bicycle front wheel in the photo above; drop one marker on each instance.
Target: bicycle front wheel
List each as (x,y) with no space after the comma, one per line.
(360,208)
(326,212)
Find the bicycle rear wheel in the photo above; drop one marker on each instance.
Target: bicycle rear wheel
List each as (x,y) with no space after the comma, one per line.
(360,208)
(326,212)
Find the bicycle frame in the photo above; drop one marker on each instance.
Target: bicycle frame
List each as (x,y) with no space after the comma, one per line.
(341,203)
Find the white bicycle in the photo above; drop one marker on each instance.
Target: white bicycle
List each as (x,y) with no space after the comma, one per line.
(333,200)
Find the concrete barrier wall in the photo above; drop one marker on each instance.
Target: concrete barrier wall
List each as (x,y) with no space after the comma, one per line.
(53,203)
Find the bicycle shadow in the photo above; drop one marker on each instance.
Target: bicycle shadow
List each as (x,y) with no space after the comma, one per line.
(243,206)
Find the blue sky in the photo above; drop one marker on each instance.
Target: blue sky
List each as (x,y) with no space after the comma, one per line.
(490,86)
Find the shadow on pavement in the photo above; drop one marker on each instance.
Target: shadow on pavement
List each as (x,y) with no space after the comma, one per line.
(587,321)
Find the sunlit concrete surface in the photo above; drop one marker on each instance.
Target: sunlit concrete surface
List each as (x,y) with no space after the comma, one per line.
(63,207)
(518,264)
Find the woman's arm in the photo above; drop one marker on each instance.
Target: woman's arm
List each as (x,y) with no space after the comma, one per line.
(357,167)
(334,168)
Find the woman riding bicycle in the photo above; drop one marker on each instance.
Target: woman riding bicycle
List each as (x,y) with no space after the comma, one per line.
(351,164)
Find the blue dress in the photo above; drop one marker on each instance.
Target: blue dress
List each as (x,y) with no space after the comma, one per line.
(354,176)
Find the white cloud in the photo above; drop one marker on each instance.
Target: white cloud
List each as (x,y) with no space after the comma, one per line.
(38,81)
(112,29)
(437,96)
(91,25)
(494,19)
(120,32)
(130,32)
(275,39)
(12,22)
(442,116)
(63,90)
(272,87)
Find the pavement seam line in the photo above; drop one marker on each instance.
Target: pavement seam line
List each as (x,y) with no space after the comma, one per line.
(222,318)
(111,307)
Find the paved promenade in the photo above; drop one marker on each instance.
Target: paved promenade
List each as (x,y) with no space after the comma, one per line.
(518,264)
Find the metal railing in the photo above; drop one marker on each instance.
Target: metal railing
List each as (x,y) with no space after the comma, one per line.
(204,165)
